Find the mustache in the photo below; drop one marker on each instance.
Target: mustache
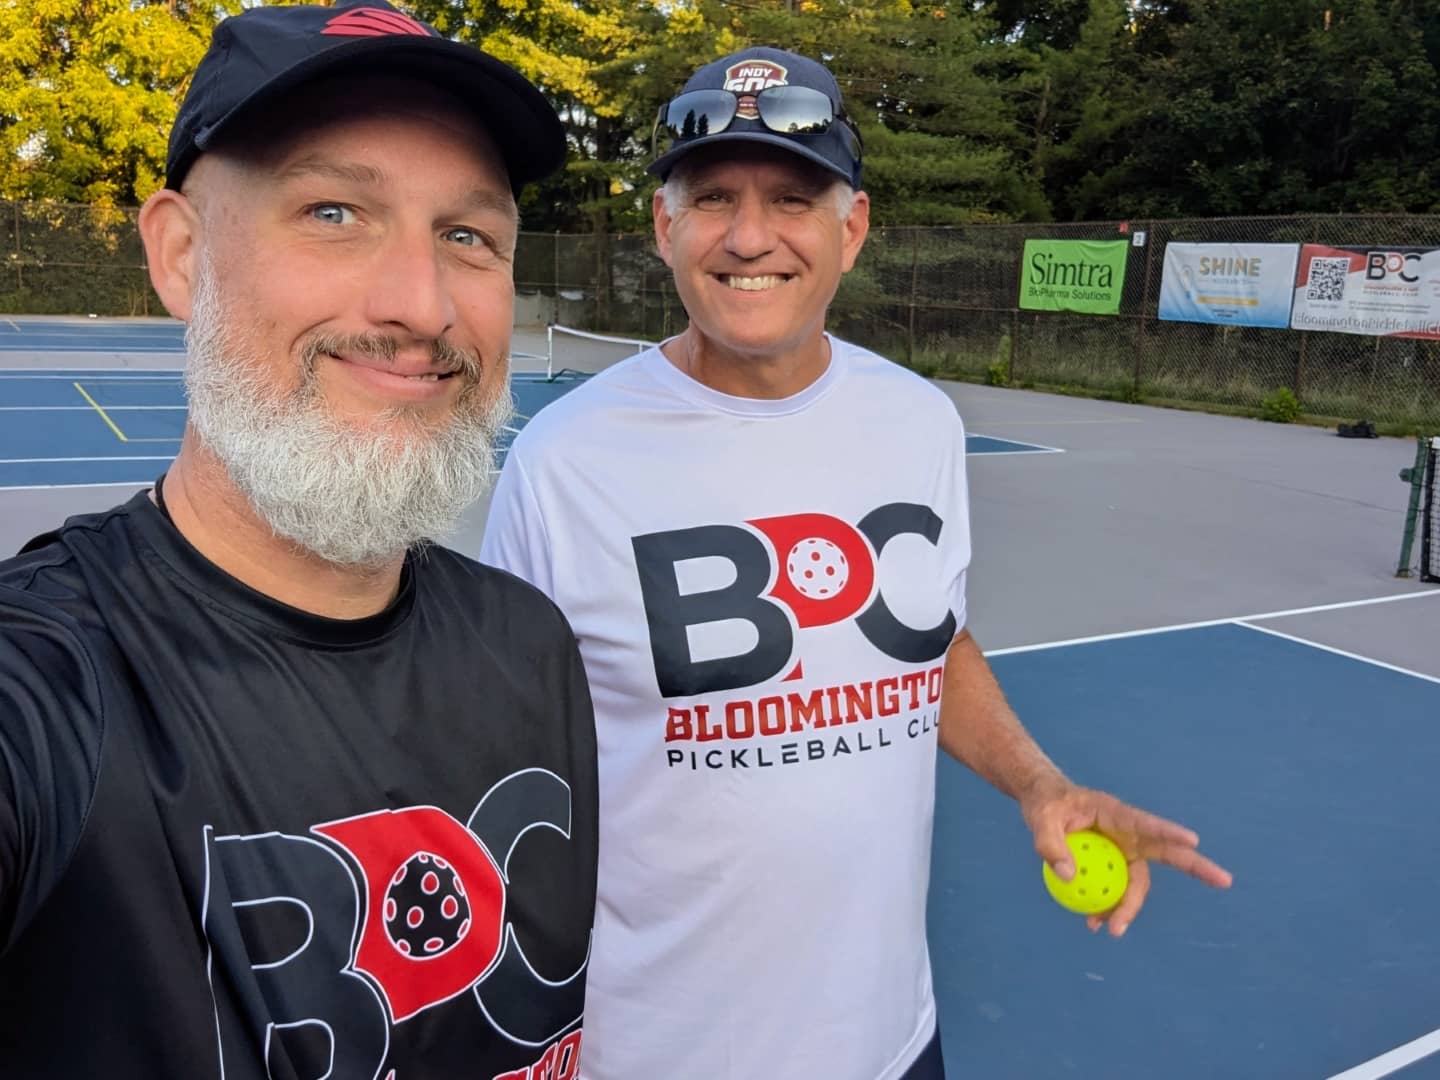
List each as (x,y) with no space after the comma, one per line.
(384,347)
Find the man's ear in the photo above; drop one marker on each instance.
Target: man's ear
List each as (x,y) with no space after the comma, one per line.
(857,227)
(170,231)
(662,220)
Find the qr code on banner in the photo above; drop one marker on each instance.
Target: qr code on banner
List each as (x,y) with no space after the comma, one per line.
(1327,279)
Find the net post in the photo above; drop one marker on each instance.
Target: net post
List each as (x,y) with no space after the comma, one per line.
(1429,541)
(1415,477)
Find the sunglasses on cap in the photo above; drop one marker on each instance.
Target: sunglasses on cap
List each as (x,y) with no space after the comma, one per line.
(785,110)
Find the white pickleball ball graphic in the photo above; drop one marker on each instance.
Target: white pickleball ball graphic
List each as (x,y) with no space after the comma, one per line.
(817,568)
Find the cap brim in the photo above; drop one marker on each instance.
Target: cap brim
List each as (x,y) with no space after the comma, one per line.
(526,129)
(662,165)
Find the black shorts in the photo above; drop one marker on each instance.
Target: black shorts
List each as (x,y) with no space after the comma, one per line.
(930,1065)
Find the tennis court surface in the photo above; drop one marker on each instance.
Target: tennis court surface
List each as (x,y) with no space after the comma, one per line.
(79,427)
(1198,613)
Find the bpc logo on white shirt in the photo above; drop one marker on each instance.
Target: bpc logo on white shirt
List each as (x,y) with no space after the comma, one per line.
(791,573)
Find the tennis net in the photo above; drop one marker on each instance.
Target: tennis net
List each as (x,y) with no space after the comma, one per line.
(1430,519)
(568,349)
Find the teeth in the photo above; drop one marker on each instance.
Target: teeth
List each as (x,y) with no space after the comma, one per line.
(753,284)
(424,378)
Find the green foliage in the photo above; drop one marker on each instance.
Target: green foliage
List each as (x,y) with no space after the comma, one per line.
(88,91)
(998,372)
(971,110)
(1281,407)
(1279,107)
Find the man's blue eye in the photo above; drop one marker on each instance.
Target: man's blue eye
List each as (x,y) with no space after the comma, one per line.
(333,213)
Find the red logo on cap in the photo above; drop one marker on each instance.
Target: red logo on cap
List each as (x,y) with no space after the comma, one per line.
(373,22)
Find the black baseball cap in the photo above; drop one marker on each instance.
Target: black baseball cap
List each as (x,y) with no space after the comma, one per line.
(837,148)
(260,54)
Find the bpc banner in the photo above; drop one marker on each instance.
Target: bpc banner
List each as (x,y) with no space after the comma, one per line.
(1073,275)
(1233,284)
(1379,291)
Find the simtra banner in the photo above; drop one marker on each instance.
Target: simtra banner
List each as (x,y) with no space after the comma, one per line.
(1073,275)
(1232,284)
(1378,291)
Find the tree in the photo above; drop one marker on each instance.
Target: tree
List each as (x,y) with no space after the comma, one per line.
(1307,105)
(1033,23)
(88,91)
(1080,107)
(919,79)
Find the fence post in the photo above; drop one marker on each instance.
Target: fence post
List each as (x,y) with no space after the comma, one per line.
(555,320)
(1304,335)
(19,254)
(914,282)
(1144,308)
(1015,345)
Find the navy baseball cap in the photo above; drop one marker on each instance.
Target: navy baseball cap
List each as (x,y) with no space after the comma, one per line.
(739,98)
(260,54)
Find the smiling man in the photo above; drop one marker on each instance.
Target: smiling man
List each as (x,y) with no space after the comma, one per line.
(760,534)
(287,788)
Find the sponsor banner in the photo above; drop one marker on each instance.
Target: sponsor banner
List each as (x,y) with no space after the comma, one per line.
(1378,291)
(1073,275)
(1233,284)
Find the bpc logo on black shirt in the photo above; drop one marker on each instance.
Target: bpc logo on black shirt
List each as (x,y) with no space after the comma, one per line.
(416,916)
(791,573)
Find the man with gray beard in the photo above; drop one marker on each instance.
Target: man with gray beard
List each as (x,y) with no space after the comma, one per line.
(286,788)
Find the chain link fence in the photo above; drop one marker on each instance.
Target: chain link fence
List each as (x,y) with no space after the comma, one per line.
(73,260)
(940,300)
(944,302)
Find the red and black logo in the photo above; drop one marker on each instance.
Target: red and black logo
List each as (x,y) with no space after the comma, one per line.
(374,919)
(790,574)
(750,76)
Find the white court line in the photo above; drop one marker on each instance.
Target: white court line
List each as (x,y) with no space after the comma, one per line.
(10,345)
(55,460)
(1212,622)
(1022,442)
(95,483)
(119,342)
(1394,1060)
(13,325)
(75,373)
(1012,453)
(1337,652)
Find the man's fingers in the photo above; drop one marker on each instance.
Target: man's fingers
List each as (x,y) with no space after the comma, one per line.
(1050,844)
(1144,825)
(1191,862)
(1050,841)
(1134,898)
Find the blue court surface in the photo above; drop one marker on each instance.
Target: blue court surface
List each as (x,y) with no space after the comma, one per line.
(122,426)
(1308,773)
(72,335)
(62,428)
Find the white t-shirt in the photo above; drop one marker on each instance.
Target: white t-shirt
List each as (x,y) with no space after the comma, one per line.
(763,592)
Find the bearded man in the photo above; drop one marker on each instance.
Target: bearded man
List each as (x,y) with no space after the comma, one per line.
(286,788)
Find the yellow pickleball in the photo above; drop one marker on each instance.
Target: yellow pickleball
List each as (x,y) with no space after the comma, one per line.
(1101,874)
